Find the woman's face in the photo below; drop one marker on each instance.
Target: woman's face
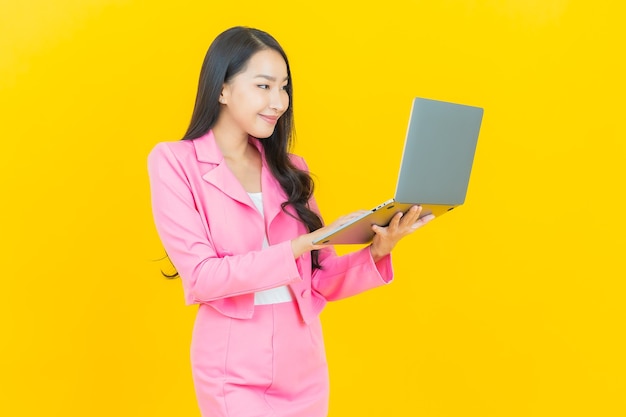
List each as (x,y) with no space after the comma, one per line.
(254,99)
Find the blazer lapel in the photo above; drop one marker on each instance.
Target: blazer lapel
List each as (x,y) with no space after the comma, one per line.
(273,194)
(223,178)
(220,176)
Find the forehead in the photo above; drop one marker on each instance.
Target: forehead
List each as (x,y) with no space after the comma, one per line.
(267,62)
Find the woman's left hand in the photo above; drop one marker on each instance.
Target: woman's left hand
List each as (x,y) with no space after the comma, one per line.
(401,225)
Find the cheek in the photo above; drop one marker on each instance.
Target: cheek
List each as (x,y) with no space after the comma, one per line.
(248,99)
(246,107)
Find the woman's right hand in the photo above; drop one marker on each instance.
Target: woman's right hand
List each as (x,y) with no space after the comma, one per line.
(304,243)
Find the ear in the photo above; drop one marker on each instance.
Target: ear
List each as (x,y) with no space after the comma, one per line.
(223,98)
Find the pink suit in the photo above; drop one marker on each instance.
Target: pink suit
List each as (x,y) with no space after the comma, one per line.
(213,234)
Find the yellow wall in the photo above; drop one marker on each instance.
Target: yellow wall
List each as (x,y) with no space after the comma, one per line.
(510,306)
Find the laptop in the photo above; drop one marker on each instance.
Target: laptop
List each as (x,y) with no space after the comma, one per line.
(434,170)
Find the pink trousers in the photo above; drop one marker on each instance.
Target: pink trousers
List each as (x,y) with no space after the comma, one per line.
(271,365)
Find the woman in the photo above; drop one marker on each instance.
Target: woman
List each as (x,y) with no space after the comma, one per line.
(236,215)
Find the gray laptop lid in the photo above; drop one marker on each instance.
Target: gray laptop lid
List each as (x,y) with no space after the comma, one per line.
(438,152)
(434,171)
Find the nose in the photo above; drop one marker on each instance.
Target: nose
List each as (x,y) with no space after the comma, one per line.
(279,100)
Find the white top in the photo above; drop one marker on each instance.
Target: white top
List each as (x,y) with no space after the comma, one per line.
(276,295)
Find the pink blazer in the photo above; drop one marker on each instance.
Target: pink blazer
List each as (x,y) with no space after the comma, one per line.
(213,235)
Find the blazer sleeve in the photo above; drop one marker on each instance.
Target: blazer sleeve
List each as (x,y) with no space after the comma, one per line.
(350,274)
(205,275)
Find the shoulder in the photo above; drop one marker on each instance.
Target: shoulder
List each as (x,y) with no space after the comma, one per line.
(171,151)
(168,157)
(179,148)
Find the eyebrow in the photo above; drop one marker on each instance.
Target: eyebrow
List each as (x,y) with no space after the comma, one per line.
(269,77)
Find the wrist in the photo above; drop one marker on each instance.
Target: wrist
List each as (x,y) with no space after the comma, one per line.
(376,254)
(301,244)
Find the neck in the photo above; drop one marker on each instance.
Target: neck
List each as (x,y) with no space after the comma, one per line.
(234,147)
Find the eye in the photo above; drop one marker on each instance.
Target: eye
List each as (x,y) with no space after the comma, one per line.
(263,86)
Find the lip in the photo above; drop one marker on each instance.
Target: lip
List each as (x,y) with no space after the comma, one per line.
(269,119)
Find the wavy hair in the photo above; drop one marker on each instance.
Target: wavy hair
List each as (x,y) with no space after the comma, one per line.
(227,56)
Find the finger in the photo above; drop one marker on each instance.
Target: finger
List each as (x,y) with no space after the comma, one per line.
(357,213)
(345,219)
(421,222)
(408,218)
(412,215)
(395,220)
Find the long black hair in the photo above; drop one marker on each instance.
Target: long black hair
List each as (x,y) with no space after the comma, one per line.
(227,56)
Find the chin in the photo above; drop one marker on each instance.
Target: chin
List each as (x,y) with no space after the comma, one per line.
(262,134)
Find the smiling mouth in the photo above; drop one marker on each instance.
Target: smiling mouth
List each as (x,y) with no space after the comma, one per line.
(269,119)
